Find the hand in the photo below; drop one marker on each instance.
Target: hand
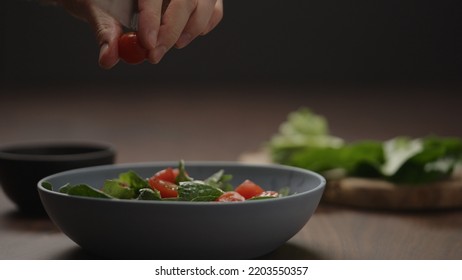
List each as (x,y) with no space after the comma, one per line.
(182,22)
(161,25)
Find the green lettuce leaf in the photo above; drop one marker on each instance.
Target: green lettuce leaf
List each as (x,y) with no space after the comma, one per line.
(303,140)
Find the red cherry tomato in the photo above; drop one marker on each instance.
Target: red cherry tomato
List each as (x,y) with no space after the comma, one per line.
(166,189)
(168,174)
(249,189)
(230,196)
(130,49)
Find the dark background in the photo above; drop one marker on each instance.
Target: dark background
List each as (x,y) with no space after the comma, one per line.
(259,41)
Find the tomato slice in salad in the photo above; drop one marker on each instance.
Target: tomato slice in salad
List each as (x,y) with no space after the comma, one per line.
(249,189)
(165,182)
(166,189)
(230,196)
(168,174)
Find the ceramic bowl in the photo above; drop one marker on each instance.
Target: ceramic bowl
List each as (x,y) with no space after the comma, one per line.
(23,165)
(130,229)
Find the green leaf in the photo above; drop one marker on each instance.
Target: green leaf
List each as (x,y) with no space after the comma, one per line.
(65,188)
(303,128)
(182,175)
(133,181)
(197,191)
(85,190)
(397,151)
(220,180)
(284,191)
(357,159)
(436,161)
(118,189)
(148,194)
(47,185)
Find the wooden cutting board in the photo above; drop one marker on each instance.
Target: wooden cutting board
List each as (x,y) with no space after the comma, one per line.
(380,194)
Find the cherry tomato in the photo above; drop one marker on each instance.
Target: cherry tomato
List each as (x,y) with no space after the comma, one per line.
(130,49)
(168,174)
(166,189)
(230,196)
(249,189)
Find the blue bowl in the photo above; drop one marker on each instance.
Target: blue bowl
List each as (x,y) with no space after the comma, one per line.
(136,229)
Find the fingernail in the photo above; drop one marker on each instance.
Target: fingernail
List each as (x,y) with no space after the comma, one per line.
(183,41)
(102,53)
(103,50)
(152,39)
(105,60)
(159,52)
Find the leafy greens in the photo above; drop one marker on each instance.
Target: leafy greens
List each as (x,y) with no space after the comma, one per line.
(304,141)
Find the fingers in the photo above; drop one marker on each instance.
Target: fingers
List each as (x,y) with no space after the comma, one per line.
(182,22)
(149,22)
(197,22)
(217,16)
(162,24)
(173,22)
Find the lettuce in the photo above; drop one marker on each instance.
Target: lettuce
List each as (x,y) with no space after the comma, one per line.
(303,140)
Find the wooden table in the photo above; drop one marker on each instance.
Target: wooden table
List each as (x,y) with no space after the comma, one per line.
(221,123)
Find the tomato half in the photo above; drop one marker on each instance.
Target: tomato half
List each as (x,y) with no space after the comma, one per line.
(130,49)
(249,189)
(230,197)
(168,174)
(166,189)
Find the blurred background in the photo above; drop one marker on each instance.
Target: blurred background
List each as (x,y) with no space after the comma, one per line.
(258,41)
(375,69)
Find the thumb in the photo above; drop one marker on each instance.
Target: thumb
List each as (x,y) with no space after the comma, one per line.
(107,31)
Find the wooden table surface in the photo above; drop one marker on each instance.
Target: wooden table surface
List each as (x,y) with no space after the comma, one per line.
(221,123)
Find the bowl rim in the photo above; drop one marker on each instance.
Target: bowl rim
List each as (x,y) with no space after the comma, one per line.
(320,186)
(101,150)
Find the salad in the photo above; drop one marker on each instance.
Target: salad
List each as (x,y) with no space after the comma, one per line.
(172,184)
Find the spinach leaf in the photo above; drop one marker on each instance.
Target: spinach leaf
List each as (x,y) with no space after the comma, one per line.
(65,188)
(198,191)
(182,175)
(83,190)
(148,194)
(118,189)
(47,185)
(126,186)
(133,181)
(220,180)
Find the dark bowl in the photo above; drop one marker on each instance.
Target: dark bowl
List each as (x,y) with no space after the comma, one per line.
(23,165)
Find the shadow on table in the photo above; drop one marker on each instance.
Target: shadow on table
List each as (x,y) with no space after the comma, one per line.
(285,252)
(75,253)
(290,251)
(19,221)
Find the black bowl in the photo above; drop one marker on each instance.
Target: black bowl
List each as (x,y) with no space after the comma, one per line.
(23,165)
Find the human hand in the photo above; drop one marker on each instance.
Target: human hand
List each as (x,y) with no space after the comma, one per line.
(161,26)
(181,22)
